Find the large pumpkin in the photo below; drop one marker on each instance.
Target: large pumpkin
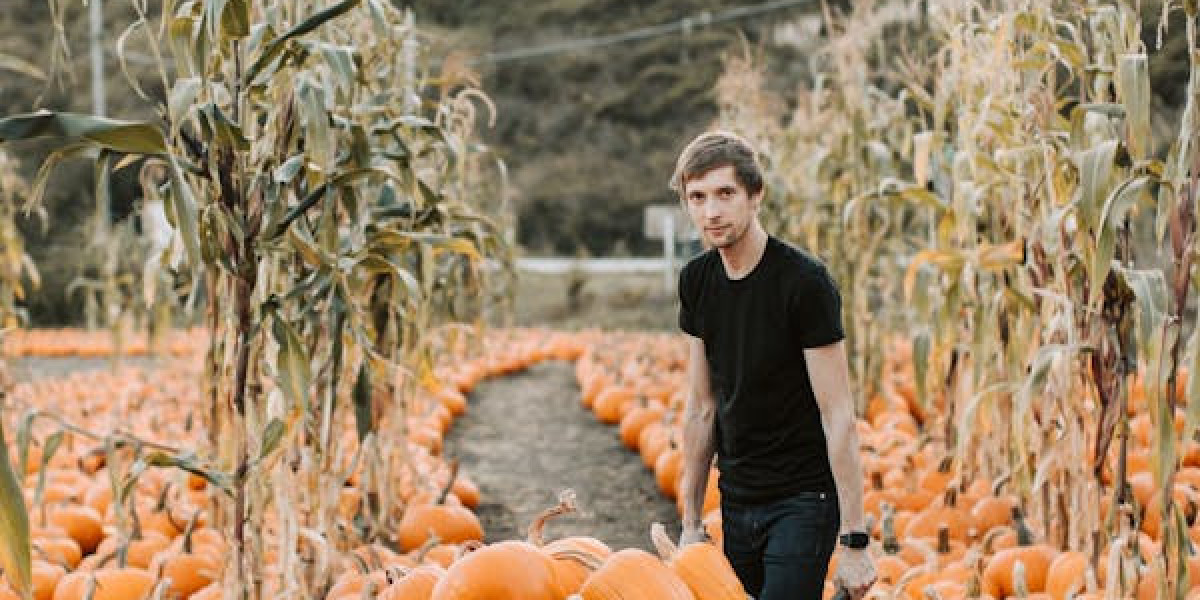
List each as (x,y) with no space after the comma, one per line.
(634,574)
(509,570)
(700,565)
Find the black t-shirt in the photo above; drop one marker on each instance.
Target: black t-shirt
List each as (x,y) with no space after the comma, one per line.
(768,433)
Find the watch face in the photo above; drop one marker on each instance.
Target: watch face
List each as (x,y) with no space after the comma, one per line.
(856,540)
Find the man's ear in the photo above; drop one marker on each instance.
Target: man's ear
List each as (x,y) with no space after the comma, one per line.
(757,198)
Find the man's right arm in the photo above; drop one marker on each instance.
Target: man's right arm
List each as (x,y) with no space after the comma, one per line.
(698,443)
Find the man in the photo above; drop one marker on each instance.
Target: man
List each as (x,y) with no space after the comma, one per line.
(768,389)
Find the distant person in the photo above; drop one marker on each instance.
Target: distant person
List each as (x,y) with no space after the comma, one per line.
(768,389)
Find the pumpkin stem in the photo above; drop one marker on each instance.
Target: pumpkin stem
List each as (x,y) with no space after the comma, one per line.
(944,466)
(467,547)
(1020,585)
(187,532)
(430,543)
(359,563)
(662,542)
(943,537)
(566,504)
(999,482)
(589,561)
(1024,534)
(441,499)
(888,530)
(395,573)
(951,497)
(135,529)
(877,480)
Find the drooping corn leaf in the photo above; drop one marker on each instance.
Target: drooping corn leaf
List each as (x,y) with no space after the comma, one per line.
(14,527)
(113,134)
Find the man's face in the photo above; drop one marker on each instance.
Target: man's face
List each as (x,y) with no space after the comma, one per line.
(720,206)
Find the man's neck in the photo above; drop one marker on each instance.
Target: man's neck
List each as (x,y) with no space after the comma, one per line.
(741,258)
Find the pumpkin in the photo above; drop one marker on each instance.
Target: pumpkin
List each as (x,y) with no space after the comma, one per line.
(634,574)
(946,514)
(189,571)
(636,419)
(414,584)
(700,565)
(612,403)
(82,524)
(1066,575)
(139,552)
(451,524)
(509,569)
(1035,559)
(569,570)
(667,470)
(111,584)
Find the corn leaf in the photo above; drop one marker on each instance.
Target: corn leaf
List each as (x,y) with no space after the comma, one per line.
(120,136)
(14,527)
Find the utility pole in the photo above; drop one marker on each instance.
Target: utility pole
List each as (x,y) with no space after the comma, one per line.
(96,12)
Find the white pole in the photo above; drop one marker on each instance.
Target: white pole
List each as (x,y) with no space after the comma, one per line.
(668,252)
(96,13)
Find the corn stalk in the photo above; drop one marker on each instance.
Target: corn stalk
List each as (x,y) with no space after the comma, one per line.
(1002,159)
(323,190)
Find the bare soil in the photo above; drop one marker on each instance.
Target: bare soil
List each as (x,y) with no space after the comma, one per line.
(527,436)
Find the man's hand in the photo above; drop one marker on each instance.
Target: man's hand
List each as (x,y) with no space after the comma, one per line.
(692,534)
(855,572)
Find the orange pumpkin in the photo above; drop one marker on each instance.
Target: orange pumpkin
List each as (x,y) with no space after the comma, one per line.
(701,566)
(415,584)
(451,524)
(111,584)
(509,569)
(634,574)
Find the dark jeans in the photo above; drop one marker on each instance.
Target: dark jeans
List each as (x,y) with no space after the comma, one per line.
(781,550)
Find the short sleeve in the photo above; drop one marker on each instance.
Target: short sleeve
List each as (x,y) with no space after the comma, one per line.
(818,310)
(687,301)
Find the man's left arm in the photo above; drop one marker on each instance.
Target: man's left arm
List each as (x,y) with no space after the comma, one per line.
(830,376)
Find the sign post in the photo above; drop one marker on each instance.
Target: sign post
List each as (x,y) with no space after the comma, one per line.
(668,223)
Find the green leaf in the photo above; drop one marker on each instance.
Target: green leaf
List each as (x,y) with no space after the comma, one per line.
(183,95)
(48,450)
(293,371)
(272,436)
(1122,198)
(272,50)
(363,416)
(235,19)
(1133,88)
(183,209)
(319,138)
(121,136)
(188,463)
(1095,174)
(289,169)
(14,527)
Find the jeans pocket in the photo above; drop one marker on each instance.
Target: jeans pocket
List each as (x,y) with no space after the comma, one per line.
(802,527)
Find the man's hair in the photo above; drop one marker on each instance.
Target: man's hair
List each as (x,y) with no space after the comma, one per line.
(713,150)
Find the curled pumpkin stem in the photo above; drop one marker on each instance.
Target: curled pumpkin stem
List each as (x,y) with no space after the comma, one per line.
(566,504)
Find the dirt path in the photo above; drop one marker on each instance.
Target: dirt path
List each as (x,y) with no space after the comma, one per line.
(527,436)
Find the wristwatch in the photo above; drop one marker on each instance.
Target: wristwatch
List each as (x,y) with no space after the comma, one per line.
(855,540)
